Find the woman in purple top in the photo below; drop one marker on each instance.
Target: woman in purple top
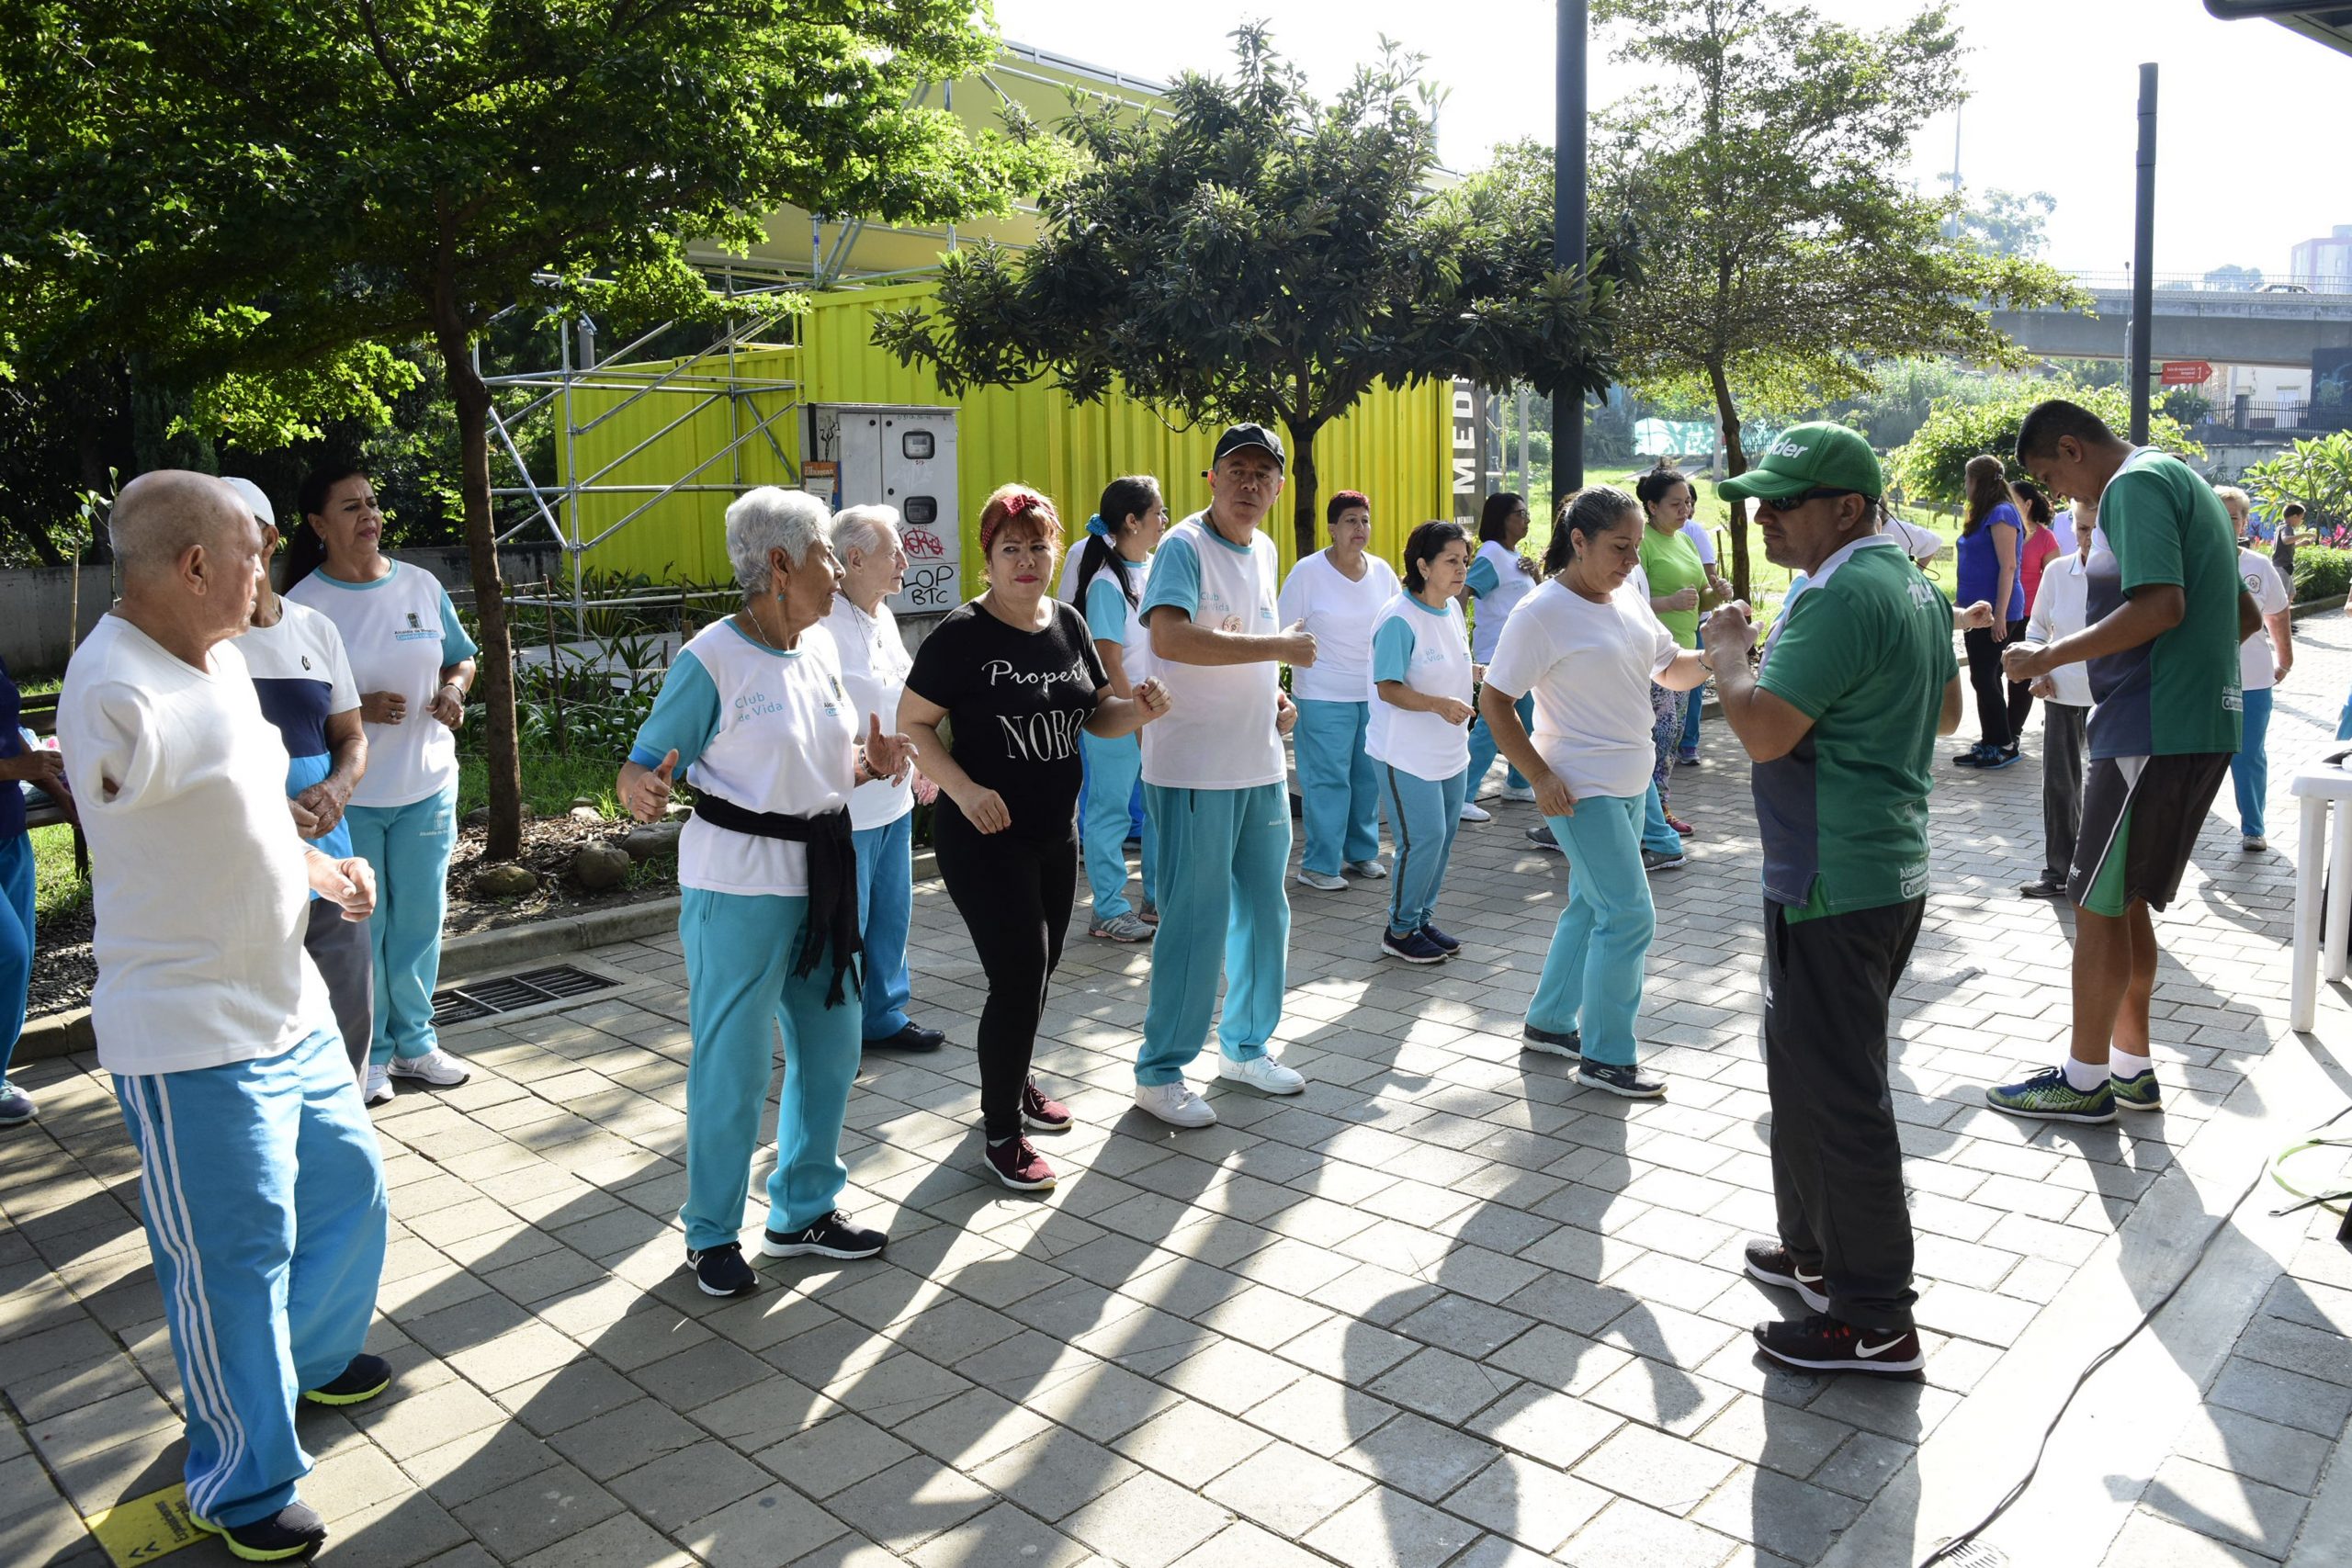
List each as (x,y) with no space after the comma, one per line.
(1992,537)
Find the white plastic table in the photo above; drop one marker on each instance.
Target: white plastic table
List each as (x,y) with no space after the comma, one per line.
(2321,785)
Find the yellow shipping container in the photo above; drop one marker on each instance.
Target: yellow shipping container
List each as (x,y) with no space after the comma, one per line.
(1395,447)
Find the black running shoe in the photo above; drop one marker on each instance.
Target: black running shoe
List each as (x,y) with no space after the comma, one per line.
(1439,939)
(292,1533)
(1770,1263)
(1822,1343)
(1629,1082)
(832,1237)
(362,1380)
(1551,1042)
(721,1271)
(2043,887)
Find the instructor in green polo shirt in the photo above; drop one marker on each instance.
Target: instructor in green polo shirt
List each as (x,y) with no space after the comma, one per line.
(1841,722)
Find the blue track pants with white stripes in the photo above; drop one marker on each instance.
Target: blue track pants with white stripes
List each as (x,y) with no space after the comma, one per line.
(265,1207)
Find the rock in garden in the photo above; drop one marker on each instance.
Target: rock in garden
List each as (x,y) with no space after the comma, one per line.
(578,800)
(654,839)
(600,865)
(506,881)
(586,813)
(478,818)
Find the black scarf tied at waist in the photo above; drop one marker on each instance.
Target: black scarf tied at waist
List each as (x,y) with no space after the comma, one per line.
(832,879)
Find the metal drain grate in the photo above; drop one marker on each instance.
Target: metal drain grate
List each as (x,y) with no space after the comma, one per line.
(512,993)
(1976,1554)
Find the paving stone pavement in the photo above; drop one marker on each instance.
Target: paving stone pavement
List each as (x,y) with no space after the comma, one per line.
(1442,1308)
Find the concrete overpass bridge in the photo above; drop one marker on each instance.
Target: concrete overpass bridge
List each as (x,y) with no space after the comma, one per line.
(2192,322)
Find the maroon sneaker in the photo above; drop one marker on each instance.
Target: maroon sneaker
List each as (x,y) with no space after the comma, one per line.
(1040,1115)
(1019,1165)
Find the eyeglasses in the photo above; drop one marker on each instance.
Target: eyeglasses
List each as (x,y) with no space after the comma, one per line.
(1790,503)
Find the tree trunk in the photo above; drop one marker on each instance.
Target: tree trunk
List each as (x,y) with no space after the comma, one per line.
(1304,520)
(1735,465)
(494,669)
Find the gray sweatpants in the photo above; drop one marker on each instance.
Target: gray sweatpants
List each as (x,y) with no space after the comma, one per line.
(346,961)
(2063,728)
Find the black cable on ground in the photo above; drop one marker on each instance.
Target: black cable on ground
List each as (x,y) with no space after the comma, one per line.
(2041,1449)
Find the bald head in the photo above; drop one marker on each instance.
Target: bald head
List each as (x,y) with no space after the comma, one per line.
(160,517)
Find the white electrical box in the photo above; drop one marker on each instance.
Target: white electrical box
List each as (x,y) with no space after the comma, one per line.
(902,457)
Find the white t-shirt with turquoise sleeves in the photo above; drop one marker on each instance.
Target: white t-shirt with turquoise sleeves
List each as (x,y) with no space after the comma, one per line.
(1218,732)
(1338,613)
(1497,585)
(1109,619)
(1429,650)
(399,633)
(770,731)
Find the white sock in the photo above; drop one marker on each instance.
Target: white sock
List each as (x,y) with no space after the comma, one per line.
(2124,1065)
(2084,1077)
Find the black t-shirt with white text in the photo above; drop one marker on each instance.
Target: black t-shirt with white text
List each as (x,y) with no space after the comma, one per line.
(1016,700)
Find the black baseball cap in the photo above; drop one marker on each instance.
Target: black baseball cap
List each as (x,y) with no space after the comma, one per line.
(1238,437)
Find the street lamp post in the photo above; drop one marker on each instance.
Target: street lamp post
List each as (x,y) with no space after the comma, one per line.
(1568,233)
(2143,259)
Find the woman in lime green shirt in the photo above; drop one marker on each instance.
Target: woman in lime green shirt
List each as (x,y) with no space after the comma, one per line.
(1678,586)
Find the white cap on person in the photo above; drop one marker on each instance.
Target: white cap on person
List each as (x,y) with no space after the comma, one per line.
(255,501)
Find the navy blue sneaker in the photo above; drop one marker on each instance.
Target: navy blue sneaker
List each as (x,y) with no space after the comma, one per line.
(721,1271)
(1620,1078)
(1975,756)
(1413,947)
(1551,1042)
(1441,939)
(1998,758)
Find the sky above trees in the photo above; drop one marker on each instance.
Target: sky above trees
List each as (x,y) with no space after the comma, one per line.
(2244,169)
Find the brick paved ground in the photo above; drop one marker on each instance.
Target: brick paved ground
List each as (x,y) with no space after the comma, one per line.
(1442,1308)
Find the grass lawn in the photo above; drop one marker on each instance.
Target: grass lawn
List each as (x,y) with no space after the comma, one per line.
(552,781)
(58,889)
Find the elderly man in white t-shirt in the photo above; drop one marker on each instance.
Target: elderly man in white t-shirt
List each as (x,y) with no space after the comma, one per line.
(262,1190)
(1216,788)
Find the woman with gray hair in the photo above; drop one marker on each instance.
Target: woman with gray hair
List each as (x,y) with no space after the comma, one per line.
(754,707)
(881,812)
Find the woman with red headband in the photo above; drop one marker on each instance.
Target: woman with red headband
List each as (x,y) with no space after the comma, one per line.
(1016,675)
(1336,595)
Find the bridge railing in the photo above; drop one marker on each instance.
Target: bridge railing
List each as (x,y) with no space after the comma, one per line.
(2195,282)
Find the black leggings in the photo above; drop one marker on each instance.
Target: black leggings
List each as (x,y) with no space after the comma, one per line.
(1999,712)
(1014,894)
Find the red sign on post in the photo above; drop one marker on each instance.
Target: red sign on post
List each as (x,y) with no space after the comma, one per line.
(2186,372)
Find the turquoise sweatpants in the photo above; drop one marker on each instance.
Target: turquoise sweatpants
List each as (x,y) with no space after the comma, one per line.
(1116,764)
(739,988)
(16,939)
(1592,977)
(263,1194)
(409,846)
(1339,786)
(1482,747)
(1424,815)
(886,909)
(1222,856)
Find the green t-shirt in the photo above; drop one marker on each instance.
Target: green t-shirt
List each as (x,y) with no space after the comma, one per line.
(1865,653)
(2176,695)
(1671,563)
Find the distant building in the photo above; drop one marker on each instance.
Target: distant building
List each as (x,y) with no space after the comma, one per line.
(2324,263)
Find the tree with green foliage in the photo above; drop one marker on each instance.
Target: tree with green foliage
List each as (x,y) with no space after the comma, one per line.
(1258,254)
(1932,466)
(268,200)
(2007,224)
(2317,472)
(1783,255)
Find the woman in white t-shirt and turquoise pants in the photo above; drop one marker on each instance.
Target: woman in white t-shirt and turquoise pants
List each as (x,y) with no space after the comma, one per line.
(1587,646)
(1112,570)
(1499,578)
(1421,732)
(1335,594)
(414,664)
(753,709)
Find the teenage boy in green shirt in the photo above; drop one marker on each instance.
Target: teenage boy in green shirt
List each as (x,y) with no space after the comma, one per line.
(1841,722)
(2166,615)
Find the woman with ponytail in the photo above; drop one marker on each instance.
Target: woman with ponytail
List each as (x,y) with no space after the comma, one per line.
(1119,541)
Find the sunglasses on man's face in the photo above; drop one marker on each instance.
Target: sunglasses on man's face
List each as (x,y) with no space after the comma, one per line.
(1791,503)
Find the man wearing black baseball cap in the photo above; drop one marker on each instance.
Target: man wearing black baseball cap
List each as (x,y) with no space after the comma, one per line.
(1841,722)
(1215,784)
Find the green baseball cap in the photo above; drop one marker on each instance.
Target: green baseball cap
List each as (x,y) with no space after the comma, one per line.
(1821,455)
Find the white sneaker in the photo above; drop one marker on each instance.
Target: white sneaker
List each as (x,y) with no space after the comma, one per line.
(1524,794)
(1175,1103)
(1470,812)
(2254,843)
(379,1087)
(437,1067)
(1260,1072)
(1321,881)
(1371,869)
